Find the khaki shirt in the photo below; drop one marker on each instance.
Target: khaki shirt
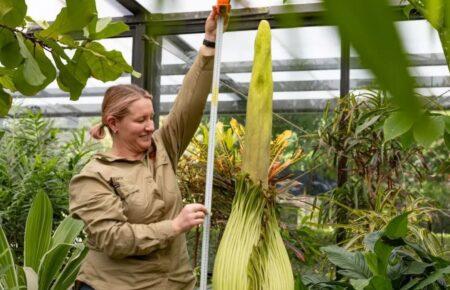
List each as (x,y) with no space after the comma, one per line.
(127,206)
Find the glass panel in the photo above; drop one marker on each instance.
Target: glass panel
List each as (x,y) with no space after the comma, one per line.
(175,6)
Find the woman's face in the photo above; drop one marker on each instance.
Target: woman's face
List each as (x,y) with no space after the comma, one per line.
(135,130)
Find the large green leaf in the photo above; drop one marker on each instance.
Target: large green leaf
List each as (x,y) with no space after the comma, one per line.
(38,231)
(67,80)
(105,65)
(51,264)
(8,49)
(70,271)
(6,79)
(397,124)
(31,70)
(436,275)
(7,262)
(104,28)
(379,283)
(67,231)
(383,252)
(359,284)
(428,129)
(12,12)
(397,227)
(354,263)
(45,66)
(369,26)
(31,278)
(76,15)
(5,102)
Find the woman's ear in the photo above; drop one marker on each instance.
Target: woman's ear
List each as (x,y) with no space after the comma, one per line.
(112,123)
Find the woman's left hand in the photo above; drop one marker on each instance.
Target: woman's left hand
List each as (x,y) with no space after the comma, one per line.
(211,23)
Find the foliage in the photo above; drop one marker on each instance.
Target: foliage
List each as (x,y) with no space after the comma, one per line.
(24,53)
(35,158)
(379,173)
(389,261)
(51,261)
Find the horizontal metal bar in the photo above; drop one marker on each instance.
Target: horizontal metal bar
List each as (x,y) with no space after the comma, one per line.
(431,59)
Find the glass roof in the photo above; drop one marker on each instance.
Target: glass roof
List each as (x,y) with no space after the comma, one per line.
(316,49)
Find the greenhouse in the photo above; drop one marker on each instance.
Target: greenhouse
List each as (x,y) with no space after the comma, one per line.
(251,144)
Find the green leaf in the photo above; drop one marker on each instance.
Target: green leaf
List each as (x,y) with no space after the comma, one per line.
(104,28)
(12,12)
(359,284)
(428,129)
(6,79)
(370,240)
(7,262)
(372,262)
(407,140)
(67,80)
(5,102)
(353,262)
(70,271)
(76,15)
(8,49)
(447,139)
(45,66)
(396,124)
(433,277)
(383,252)
(379,283)
(38,231)
(367,124)
(397,227)
(31,70)
(31,279)
(67,231)
(51,264)
(416,268)
(105,65)
(369,27)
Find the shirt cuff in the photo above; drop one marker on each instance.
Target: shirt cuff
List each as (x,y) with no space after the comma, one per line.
(205,63)
(166,230)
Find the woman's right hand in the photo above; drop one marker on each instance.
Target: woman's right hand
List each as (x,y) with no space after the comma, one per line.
(190,216)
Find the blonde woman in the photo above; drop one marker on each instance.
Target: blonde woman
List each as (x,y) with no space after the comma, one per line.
(128,197)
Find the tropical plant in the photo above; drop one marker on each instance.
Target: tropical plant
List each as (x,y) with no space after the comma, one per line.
(26,66)
(36,157)
(378,170)
(50,261)
(389,261)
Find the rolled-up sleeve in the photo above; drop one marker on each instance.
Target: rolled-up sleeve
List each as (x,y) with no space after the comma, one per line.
(93,201)
(187,111)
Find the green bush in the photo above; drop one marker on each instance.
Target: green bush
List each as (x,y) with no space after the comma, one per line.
(35,159)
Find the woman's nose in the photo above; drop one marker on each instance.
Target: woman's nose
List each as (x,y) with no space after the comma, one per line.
(150,126)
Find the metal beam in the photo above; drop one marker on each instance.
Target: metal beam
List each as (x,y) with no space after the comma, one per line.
(431,59)
(187,53)
(133,6)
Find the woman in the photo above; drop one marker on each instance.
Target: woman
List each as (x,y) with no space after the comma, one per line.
(128,197)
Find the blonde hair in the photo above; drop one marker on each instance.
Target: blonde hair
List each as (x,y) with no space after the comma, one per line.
(115,103)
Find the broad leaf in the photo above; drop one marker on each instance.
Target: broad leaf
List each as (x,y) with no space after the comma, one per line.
(370,240)
(433,277)
(31,71)
(417,268)
(67,231)
(72,18)
(383,252)
(397,124)
(379,283)
(447,139)
(51,264)
(428,129)
(31,278)
(7,262)
(359,284)
(67,80)
(104,28)
(45,66)
(12,12)
(8,49)
(397,227)
(5,102)
(38,231)
(369,27)
(105,65)
(353,262)
(70,271)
